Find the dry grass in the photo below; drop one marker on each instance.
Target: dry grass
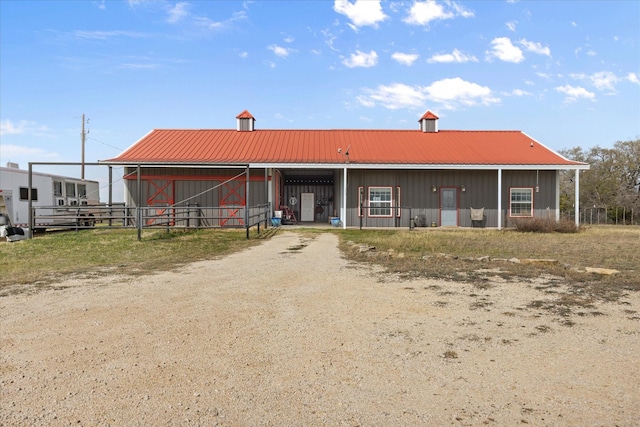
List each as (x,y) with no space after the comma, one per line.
(476,255)
(51,257)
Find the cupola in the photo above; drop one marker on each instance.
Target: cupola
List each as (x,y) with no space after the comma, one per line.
(428,122)
(245,122)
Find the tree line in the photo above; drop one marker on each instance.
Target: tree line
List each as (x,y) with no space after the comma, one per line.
(611,184)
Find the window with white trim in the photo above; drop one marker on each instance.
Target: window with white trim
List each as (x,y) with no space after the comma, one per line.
(70,188)
(57,188)
(379,201)
(521,202)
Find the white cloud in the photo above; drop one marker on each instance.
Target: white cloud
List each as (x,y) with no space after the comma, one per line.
(605,80)
(243,54)
(23,127)
(454,93)
(210,24)
(455,56)
(289,39)
(511,25)
(177,12)
(361,59)
(280,51)
(423,12)
(394,96)
(504,50)
(12,151)
(602,80)
(361,12)
(449,93)
(405,58)
(518,92)
(535,47)
(104,35)
(633,78)
(574,93)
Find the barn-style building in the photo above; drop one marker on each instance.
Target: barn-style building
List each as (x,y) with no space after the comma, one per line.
(375,178)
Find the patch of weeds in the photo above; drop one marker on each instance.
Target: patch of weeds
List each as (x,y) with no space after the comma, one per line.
(509,313)
(482,303)
(543,328)
(440,303)
(484,285)
(450,354)
(470,337)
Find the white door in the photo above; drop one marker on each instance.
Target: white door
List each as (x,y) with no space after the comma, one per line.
(307,207)
(448,207)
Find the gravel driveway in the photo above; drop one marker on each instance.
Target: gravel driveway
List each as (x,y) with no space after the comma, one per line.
(290,333)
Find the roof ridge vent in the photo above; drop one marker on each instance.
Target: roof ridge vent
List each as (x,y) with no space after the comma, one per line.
(245,122)
(429,122)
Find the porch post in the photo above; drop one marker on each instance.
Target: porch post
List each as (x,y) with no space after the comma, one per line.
(246,201)
(499,199)
(138,203)
(343,214)
(577,204)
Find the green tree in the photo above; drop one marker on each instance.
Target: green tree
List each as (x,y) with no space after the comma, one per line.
(613,181)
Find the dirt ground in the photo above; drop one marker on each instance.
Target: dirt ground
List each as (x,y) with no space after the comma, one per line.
(290,333)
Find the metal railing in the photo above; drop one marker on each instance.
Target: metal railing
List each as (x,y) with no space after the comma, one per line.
(150,217)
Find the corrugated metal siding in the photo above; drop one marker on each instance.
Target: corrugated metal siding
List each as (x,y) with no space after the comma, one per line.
(481,192)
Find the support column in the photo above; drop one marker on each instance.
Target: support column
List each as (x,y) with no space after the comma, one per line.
(499,199)
(246,201)
(577,204)
(343,213)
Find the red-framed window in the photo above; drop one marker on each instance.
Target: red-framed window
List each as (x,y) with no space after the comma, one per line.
(521,202)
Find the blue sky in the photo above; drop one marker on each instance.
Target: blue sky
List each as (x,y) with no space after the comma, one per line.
(567,73)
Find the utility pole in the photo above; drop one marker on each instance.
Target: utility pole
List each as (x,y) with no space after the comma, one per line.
(82,137)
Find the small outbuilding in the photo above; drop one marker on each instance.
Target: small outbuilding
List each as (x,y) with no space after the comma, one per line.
(372,178)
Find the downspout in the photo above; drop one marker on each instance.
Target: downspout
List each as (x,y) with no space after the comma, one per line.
(499,199)
(343,214)
(577,204)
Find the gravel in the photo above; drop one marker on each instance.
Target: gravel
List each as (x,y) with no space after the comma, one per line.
(291,333)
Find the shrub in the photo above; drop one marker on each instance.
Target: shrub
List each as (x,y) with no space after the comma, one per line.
(545,225)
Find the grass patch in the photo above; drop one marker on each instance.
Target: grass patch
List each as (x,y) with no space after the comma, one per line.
(53,257)
(456,255)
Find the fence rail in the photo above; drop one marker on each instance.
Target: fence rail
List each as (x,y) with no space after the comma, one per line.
(150,217)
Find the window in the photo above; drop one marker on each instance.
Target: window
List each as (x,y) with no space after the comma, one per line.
(24,194)
(521,202)
(360,201)
(82,190)
(57,188)
(379,201)
(397,204)
(70,187)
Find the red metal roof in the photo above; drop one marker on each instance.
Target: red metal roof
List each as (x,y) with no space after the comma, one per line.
(245,115)
(393,147)
(428,115)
